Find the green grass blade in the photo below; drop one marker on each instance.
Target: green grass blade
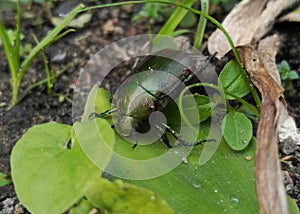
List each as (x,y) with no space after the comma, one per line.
(180,32)
(49,39)
(201,25)
(9,51)
(43,81)
(174,20)
(62,35)
(18,33)
(47,70)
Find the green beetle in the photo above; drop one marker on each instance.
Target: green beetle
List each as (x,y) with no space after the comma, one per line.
(150,88)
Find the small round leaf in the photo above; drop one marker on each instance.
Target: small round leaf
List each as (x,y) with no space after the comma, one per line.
(234,80)
(237,130)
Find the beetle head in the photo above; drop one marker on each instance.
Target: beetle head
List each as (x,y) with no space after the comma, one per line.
(126,125)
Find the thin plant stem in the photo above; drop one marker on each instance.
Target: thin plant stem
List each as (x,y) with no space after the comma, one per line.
(218,88)
(49,38)
(214,21)
(201,25)
(18,33)
(17,74)
(180,101)
(47,70)
(41,82)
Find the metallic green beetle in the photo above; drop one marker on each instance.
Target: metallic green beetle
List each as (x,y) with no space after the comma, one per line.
(151,87)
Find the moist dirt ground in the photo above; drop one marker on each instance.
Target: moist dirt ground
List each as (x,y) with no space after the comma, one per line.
(74,51)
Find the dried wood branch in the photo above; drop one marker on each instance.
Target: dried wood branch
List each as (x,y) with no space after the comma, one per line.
(248,22)
(259,61)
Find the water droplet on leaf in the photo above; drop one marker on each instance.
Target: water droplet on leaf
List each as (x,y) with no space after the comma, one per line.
(234,200)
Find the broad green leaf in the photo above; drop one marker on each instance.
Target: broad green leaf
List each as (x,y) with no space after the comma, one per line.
(82,207)
(97,101)
(4,179)
(250,111)
(95,136)
(203,105)
(234,80)
(293,208)
(237,130)
(119,197)
(124,156)
(225,184)
(49,171)
(96,139)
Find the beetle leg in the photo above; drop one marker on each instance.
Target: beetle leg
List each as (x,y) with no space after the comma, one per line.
(103,114)
(149,92)
(166,140)
(193,74)
(136,143)
(178,137)
(202,141)
(181,140)
(163,135)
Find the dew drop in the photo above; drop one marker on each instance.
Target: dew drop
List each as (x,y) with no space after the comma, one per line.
(242,131)
(152,198)
(185,160)
(234,200)
(248,157)
(215,191)
(196,185)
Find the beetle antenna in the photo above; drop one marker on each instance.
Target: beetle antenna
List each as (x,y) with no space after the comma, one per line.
(103,114)
(178,137)
(193,74)
(163,135)
(149,92)
(181,140)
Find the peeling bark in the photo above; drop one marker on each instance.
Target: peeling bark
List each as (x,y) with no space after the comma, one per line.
(248,22)
(259,62)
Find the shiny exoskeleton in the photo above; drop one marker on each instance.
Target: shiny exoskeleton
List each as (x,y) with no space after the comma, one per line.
(151,87)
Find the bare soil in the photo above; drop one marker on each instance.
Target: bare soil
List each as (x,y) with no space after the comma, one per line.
(74,50)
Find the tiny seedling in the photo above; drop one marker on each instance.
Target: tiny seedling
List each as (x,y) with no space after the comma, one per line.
(4,179)
(12,49)
(153,12)
(286,74)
